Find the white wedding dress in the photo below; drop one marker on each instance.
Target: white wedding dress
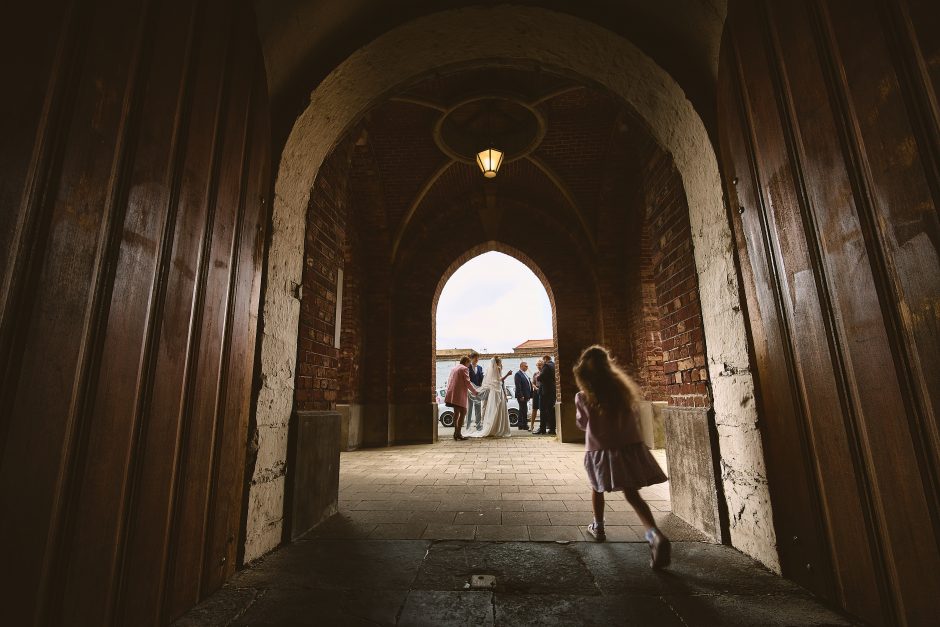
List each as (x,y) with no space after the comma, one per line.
(495,411)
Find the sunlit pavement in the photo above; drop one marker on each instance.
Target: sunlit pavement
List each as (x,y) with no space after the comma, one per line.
(520,488)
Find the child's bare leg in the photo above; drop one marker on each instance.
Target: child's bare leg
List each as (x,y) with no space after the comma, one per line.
(660,547)
(596,528)
(641,508)
(597,502)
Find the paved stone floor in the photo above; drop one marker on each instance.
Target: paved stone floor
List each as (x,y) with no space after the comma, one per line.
(321,581)
(417,523)
(520,488)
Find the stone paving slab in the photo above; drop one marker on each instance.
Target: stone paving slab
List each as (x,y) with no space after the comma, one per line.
(423,582)
(517,482)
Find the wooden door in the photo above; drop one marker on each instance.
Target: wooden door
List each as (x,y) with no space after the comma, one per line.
(133,177)
(829,149)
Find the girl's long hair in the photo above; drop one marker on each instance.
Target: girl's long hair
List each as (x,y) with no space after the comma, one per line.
(605,384)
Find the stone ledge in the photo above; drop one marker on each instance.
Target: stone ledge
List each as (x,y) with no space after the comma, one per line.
(312,471)
(690,457)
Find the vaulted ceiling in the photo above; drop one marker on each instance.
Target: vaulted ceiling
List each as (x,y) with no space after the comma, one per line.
(304,40)
(587,160)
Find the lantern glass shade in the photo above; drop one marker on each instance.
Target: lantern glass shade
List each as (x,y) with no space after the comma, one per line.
(489,161)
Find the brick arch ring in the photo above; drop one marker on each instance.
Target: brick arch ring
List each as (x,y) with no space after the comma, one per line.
(564,44)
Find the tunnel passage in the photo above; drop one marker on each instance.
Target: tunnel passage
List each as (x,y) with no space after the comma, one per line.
(404,56)
(124,160)
(595,208)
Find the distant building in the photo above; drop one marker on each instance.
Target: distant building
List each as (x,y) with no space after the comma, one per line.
(453,353)
(530,346)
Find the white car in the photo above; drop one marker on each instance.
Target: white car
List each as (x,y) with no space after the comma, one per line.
(445,414)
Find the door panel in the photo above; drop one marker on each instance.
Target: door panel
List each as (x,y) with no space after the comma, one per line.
(138,176)
(828,146)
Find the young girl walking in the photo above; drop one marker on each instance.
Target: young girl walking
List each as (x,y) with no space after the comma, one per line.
(616,459)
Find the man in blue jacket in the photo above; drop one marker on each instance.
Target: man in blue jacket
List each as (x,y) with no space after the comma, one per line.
(523,394)
(476,378)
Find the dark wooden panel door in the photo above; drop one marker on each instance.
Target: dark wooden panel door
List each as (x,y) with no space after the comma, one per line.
(828,125)
(133,190)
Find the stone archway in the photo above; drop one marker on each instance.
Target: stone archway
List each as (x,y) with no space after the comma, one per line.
(476,251)
(418,281)
(566,45)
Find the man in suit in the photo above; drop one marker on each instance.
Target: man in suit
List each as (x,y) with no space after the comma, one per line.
(547,396)
(523,394)
(476,378)
(459,390)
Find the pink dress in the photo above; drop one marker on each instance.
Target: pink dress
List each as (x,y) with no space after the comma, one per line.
(458,384)
(615,457)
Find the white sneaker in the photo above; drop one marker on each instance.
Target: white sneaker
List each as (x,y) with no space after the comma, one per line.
(596,532)
(660,550)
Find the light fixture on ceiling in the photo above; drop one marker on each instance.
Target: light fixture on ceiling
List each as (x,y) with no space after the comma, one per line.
(489,131)
(489,160)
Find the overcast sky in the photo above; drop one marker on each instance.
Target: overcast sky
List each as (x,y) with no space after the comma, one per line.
(492,303)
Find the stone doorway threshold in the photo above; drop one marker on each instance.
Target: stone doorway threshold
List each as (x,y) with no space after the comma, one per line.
(424,582)
(522,488)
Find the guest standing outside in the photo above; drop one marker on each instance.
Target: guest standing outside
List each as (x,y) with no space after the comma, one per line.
(458,387)
(523,394)
(476,378)
(616,458)
(536,394)
(547,396)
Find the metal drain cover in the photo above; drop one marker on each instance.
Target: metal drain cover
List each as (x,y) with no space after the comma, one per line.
(482,582)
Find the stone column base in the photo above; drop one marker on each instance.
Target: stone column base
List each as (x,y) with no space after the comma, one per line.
(652,423)
(565,417)
(690,456)
(412,423)
(350,426)
(313,471)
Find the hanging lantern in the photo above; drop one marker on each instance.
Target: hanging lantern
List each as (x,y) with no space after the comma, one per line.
(489,161)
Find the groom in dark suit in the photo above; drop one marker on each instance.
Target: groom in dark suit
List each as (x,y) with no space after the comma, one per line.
(547,397)
(523,394)
(476,378)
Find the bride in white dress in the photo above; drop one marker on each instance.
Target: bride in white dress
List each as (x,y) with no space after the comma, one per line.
(495,411)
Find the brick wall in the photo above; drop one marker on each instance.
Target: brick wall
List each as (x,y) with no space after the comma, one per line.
(633,287)
(350,345)
(625,262)
(650,312)
(645,324)
(325,249)
(428,258)
(370,217)
(673,267)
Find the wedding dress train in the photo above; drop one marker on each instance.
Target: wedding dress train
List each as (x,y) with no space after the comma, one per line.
(495,410)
